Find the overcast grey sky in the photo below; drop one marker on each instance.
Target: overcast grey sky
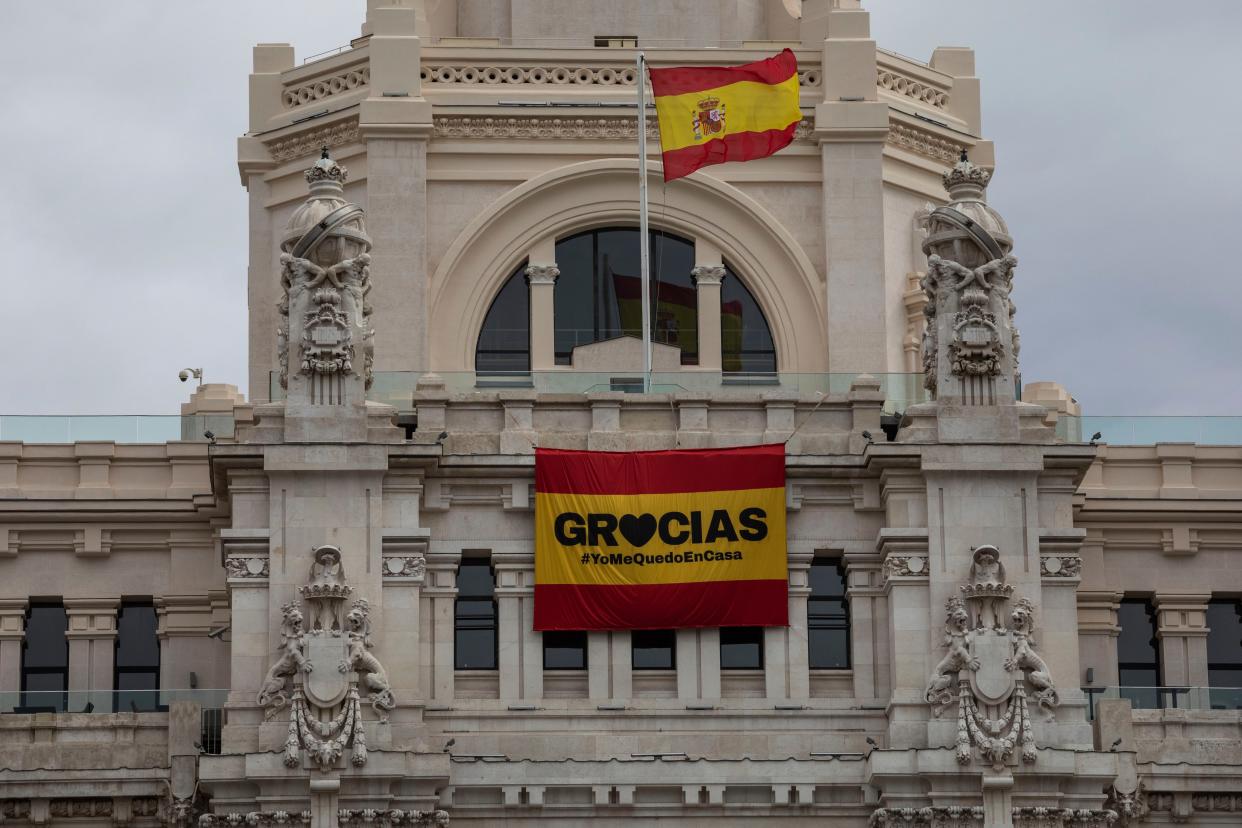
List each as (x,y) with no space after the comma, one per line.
(123,223)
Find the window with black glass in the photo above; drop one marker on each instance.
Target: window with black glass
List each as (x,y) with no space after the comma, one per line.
(565,650)
(741,648)
(598,295)
(828,616)
(1138,654)
(504,341)
(137,657)
(1224,646)
(45,658)
(746,344)
(653,649)
(474,616)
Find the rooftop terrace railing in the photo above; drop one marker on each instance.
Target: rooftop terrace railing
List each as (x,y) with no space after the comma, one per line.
(1168,698)
(397,388)
(1148,430)
(118,428)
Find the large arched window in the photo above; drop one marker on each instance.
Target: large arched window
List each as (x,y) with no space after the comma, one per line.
(598,297)
(504,342)
(598,294)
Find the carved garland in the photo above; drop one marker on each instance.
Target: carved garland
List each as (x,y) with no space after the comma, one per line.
(1060,566)
(252,566)
(951,816)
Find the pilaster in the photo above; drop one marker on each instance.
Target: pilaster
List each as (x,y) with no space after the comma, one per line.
(541,279)
(798,654)
(708,274)
(436,621)
(518,653)
(1181,627)
(12,631)
(92,642)
(1097,635)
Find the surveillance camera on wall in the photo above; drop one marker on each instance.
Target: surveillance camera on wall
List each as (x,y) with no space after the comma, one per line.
(183,375)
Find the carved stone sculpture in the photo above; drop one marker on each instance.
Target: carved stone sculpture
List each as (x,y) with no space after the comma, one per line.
(325,719)
(325,338)
(993,666)
(970,347)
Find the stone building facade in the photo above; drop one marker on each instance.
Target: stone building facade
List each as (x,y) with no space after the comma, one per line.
(440,216)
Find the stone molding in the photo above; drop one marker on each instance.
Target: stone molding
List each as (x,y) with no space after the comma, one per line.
(621,75)
(708,274)
(951,816)
(542,274)
(892,81)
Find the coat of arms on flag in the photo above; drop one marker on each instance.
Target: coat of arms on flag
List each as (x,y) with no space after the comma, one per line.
(761,100)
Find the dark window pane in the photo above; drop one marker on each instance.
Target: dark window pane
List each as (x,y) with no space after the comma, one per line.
(476,649)
(1226,692)
(654,649)
(474,579)
(45,683)
(565,650)
(504,341)
(741,648)
(1136,643)
(1224,640)
(830,649)
(599,293)
(475,616)
(828,616)
(137,641)
(745,339)
(1139,686)
(44,645)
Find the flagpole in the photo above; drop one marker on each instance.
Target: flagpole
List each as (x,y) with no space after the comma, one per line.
(644,243)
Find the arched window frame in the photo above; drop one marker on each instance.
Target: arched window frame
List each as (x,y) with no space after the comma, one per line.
(712,280)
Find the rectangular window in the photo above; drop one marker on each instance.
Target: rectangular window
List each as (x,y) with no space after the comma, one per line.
(1138,654)
(828,616)
(474,616)
(565,650)
(137,657)
(653,649)
(616,41)
(45,658)
(741,648)
(1224,646)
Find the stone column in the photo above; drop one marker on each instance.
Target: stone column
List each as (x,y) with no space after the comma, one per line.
(395,121)
(436,622)
(92,643)
(851,125)
(542,281)
(798,654)
(708,276)
(688,665)
(515,653)
(1182,630)
(1097,637)
(12,630)
(863,591)
(404,571)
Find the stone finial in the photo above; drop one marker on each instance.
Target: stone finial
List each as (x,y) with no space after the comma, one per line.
(326,169)
(965,180)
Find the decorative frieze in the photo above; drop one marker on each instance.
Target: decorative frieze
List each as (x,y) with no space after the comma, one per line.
(308,143)
(905,566)
(1060,566)
(321,89)
(950,816)
(250,567)
(898,83)
(405,567)
(570,76)
(346,817)
(924,143)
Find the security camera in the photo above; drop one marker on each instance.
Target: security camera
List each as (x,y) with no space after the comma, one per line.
(183,375)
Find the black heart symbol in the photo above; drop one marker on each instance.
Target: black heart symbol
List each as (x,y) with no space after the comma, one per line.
(638,529)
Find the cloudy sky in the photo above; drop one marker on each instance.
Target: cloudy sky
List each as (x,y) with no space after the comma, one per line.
(123,223)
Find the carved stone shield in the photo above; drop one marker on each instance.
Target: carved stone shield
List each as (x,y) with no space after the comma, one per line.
(992,683)
(326,685)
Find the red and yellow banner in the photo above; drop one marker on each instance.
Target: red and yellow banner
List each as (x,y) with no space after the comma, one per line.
(660,539)
(712,114)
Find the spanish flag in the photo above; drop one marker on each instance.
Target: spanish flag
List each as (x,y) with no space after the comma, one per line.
(660,539)
(712,114)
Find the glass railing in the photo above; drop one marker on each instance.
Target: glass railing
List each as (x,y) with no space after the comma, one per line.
(118,428)
(1148,430)
(1169,698)
(106,701)
(397,388)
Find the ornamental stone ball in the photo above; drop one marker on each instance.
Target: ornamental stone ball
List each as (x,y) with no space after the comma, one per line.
(340,231)
(947,239)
